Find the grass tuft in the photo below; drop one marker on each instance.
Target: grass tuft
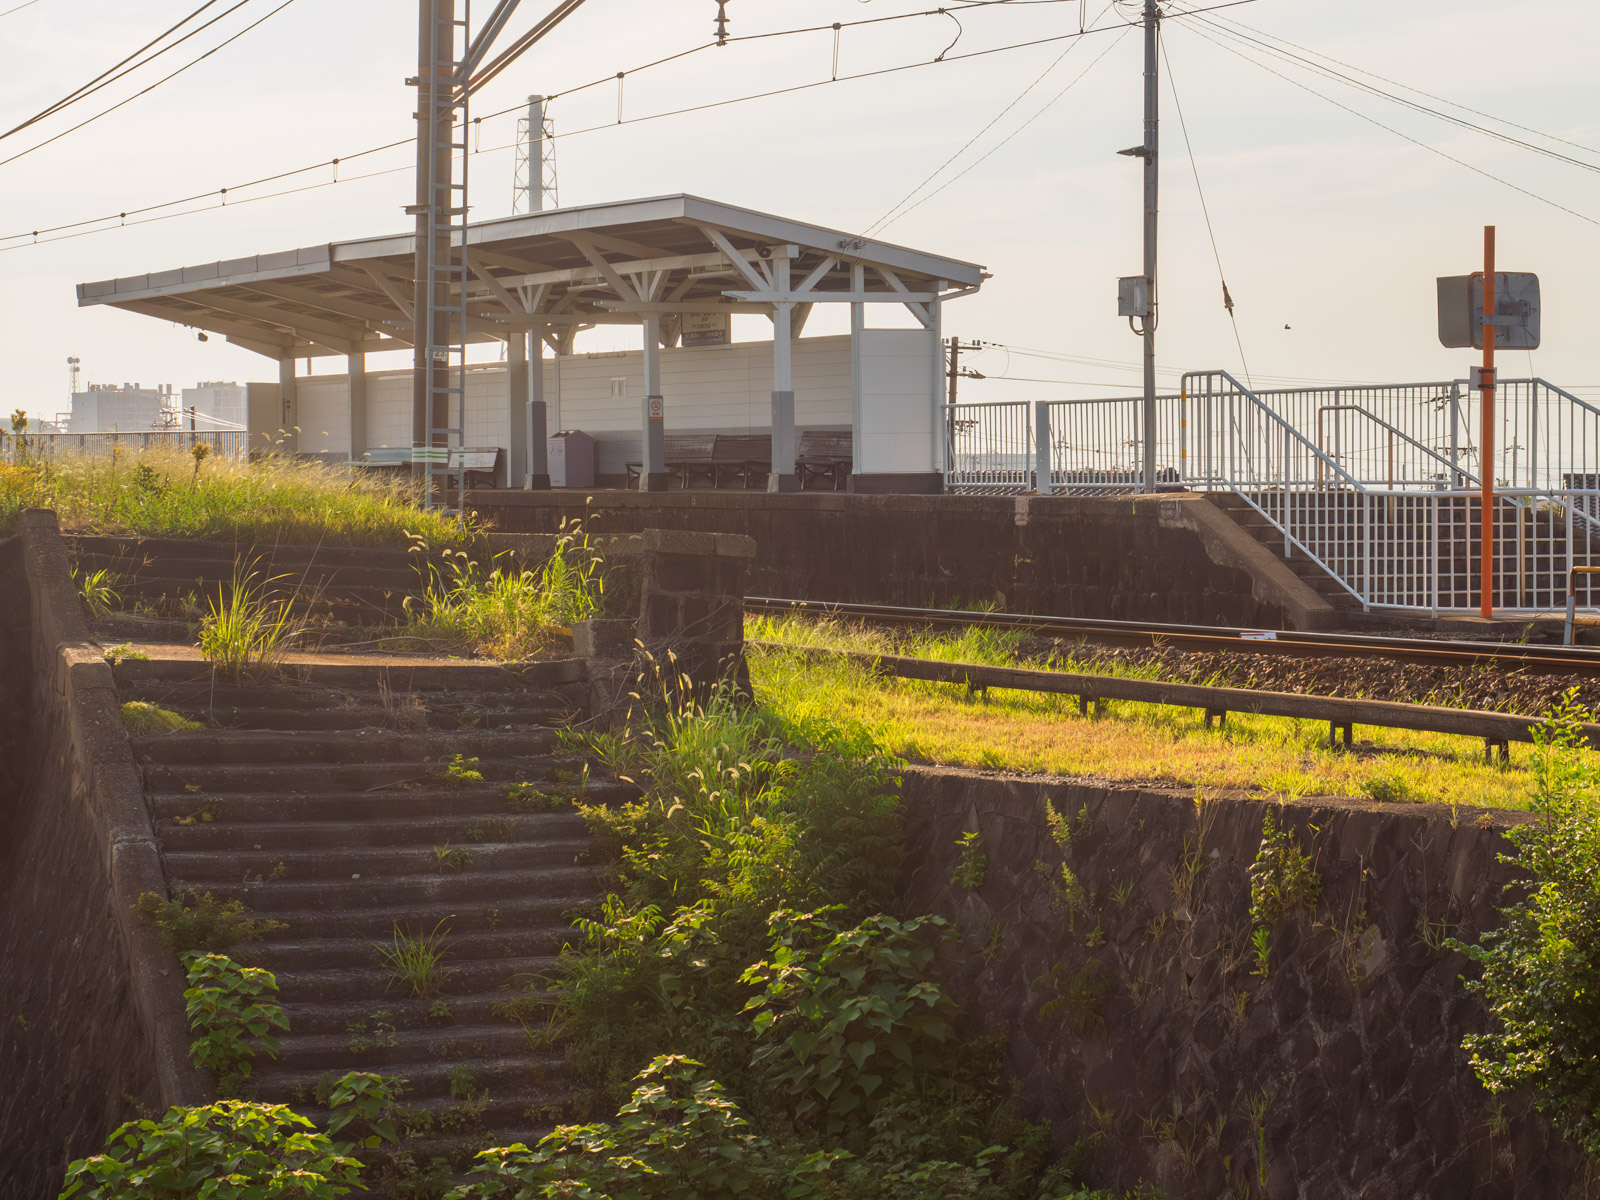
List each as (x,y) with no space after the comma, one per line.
(416,960)
(142,717)
(246,630)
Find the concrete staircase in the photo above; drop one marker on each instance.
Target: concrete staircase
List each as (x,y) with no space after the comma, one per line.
(326,801)
(344,592)
(1258,527)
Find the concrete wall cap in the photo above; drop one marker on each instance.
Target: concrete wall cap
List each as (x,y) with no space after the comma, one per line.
(680,541)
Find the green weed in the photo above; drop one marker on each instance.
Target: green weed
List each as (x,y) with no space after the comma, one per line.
(415,960)
(146,719)
(245,629)
(972,864)
(99,593)
(199,921)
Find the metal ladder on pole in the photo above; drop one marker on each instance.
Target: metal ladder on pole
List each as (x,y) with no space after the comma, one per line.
(446,256)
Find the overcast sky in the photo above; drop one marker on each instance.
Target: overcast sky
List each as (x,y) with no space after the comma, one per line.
(1331,229)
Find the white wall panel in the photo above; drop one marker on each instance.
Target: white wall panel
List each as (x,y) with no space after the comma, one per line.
(715,389)
(896,401)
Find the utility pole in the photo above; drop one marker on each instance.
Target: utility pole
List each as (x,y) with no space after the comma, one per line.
(955,372)
(1152,178)
(1486,434)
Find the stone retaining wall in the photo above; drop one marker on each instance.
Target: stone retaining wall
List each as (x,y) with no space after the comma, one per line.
(92,1030)
(1173,558)
(1136,1025)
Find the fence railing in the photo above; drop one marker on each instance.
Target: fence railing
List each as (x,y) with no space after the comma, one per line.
(1376,485)
(229,442)
(989,448)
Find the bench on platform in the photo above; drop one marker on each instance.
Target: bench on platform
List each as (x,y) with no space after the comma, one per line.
(824,455)
(742,457)
(482,462)
(686,457)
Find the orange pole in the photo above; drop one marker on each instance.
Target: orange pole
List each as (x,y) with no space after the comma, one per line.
(1486,437)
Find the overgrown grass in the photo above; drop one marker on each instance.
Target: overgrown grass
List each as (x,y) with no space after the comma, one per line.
(245,629)
(166,493)
(1037,732)
(504,612)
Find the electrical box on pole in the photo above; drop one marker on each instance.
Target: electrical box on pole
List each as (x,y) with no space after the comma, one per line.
(1515,317)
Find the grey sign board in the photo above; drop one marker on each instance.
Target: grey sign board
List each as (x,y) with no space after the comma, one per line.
(1516,315)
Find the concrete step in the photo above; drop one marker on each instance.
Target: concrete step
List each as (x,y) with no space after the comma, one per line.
(469,889)
(481,802)
(284,747)
(467,831)
(447,1043)
(462,977)
(550,906)
(399,676)
(332,861)
(336,953)
(213,779)
(409,1014)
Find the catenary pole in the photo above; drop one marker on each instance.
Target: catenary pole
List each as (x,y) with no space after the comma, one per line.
(1152,176)
(1486,435)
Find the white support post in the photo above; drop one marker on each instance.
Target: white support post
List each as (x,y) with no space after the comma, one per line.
(289,397)
(538,421)
(356,373)
(782,478)
(653,473)
(858,324)
(936,387)
(1042,482)
(516,411)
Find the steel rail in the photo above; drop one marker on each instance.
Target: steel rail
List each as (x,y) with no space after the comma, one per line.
(1555,660)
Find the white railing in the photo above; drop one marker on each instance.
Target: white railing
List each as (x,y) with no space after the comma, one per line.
(1376,485)
(228,442)
(988,448)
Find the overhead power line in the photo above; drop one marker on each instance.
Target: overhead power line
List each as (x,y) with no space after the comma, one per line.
(1477,112)
(19,8)
(146,91)
(995,120)
(1432,149)
(1372,90)
(1205,210)
(222,197)
(109,75)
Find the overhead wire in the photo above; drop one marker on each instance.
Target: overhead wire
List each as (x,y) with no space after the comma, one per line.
(152,87)
(96,83)
(1432,149)
(1477,112)
(220,196)
(19,8)
(1022,95)
(885,223)
(1205,210)
(1350,81)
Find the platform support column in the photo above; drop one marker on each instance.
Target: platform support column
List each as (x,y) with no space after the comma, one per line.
(858,324)
(356,372)
(538,422)
(653,478)
(783,477)
(289,397)
(517,395)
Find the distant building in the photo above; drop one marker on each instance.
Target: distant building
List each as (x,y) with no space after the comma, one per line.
(106,408)
(223,402)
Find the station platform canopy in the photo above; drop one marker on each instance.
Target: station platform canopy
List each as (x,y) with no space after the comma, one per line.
(671,265)
(601,264)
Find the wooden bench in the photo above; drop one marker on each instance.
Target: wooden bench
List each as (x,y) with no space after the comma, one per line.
(686,457)
(742,457)
(824,455)
(482,462)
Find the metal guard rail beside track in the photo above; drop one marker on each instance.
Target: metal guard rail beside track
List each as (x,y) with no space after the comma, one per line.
(1544,659)
(1497,730)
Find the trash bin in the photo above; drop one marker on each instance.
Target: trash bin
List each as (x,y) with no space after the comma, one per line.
(571,455)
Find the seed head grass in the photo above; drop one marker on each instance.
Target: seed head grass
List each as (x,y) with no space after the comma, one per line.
(1033,732)
(165,492)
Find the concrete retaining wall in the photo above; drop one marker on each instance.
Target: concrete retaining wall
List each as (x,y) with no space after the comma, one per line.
(1163,558)
(92,1030)
(1135,1022)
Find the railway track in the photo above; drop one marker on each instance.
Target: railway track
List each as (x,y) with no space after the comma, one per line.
(1538,659)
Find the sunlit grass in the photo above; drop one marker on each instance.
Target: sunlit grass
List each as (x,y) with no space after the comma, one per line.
(164,492)
(1131,742)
